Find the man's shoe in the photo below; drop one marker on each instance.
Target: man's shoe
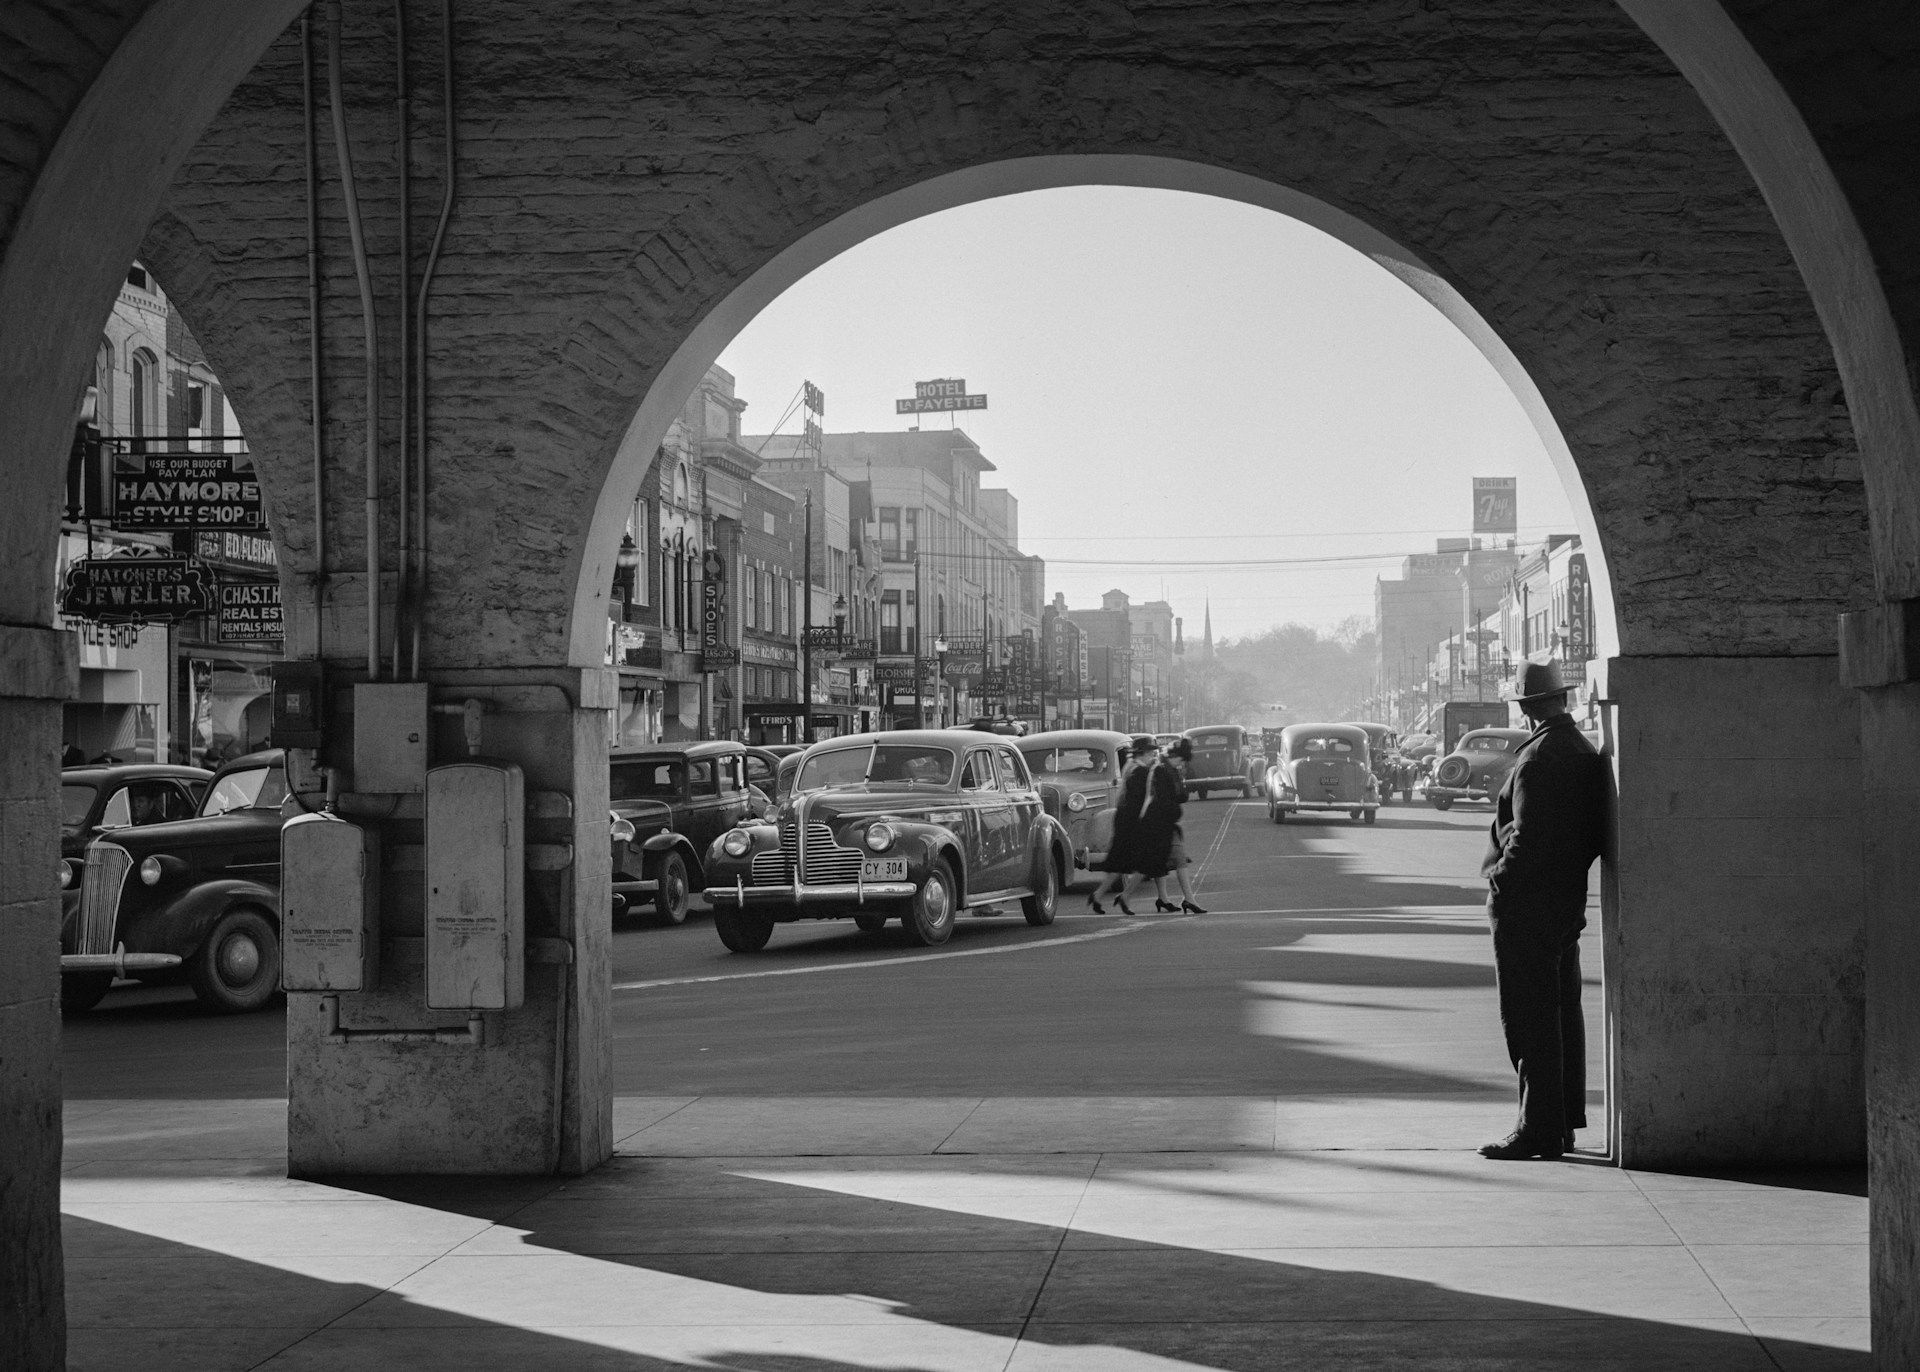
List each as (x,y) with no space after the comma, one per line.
(1517,1146)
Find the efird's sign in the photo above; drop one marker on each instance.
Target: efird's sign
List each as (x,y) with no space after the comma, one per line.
(1496,505)
(946,394)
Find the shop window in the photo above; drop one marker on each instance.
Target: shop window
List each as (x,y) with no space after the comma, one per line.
(889,531)
(143,371)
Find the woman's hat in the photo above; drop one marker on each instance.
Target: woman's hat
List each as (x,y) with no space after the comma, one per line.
(1144,744)
(1537,681)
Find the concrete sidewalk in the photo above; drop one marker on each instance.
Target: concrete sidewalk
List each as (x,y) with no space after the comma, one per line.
(937,1233)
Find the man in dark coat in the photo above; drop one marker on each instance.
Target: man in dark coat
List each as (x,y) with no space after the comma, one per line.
(1549,825)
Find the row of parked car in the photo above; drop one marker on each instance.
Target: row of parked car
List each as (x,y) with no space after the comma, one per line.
(179,867)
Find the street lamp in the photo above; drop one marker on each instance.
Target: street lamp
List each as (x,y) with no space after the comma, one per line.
(626,564)
(940,679)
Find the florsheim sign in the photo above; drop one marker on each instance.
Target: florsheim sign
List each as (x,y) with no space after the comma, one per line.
(181,491)
(137,590)
(947,394)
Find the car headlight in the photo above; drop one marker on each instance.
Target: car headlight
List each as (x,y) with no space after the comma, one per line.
(621,830)
(151,871)
(880,837)
(736,842)
(1077,801)
(66,874)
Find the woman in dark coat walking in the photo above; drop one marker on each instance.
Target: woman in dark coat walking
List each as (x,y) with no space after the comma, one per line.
(1144,822)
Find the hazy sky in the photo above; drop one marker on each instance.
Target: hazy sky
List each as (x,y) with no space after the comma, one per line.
(1170,377)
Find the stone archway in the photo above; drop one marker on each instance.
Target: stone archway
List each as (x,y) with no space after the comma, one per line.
(1599,221)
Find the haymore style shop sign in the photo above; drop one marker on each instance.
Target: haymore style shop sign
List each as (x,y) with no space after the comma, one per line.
(182,491)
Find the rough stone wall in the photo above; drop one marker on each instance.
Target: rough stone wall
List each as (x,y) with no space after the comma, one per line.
(622,174)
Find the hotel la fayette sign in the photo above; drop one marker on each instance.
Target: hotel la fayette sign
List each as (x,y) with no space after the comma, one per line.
(948,394)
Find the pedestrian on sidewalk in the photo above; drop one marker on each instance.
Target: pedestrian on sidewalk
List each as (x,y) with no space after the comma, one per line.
(1549,825)
(1142,832)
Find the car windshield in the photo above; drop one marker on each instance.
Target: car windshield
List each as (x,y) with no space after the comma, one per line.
(641,779)
(1487,743)
(1075,762)
(1318,747)
(894,763)
(75,800)
(250,788)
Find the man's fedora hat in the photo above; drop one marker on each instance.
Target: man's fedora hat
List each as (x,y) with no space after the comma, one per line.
(1537,681)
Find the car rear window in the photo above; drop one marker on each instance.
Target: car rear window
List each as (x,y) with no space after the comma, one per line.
(645,780)
(1487,743)
(1214,740)
(1322,747)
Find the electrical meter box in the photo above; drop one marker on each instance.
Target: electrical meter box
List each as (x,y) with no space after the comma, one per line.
(329,901)
(390,737)
(476,886)
(298,705)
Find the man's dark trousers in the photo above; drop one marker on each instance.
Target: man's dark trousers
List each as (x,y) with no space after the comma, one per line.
(1536,958)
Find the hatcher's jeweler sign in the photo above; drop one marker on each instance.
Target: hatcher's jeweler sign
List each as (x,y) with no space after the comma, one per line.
(137,590)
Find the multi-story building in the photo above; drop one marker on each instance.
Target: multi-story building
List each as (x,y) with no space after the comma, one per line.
(1438,597)
(948,562)
(1547,614)
(198,691)
(704,628)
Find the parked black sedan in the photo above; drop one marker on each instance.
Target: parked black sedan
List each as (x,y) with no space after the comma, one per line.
(674,800)
(204,889)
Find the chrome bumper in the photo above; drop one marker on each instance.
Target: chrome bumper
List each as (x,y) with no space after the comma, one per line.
(836,893)
(1455,793)
(636,888)
(119,963)
(1326,805)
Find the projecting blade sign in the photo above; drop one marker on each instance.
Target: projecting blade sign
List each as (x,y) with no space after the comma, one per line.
(948,394)
(137,590)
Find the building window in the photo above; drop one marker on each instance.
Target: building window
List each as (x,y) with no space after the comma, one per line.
(103,387)
(889,532)
(910,537)
(137,276)
(143,371)
(680,484)
(890,621)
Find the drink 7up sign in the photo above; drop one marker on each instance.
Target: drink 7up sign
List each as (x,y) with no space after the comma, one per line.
(1496,505)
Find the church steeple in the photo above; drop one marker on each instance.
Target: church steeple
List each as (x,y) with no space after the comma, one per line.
(1206,642)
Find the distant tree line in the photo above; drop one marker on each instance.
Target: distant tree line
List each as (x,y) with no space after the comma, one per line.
(1318,675)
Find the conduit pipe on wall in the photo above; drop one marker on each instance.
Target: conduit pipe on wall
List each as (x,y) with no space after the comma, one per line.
(315,376)
(417,574)
(403,606)
(349,191)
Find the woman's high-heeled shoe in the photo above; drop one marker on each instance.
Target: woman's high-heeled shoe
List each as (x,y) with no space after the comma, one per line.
(1093,904)
(1165,906)
(1121,901)
(1190,908)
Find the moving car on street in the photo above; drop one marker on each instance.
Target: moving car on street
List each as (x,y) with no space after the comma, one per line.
(915,825)
(1222,758)
(1391,768)
(676,798)
(1322,767)
(1078,771)
(195,899)
(1476,769)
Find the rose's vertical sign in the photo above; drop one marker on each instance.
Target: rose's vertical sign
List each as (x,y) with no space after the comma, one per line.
(1496,505)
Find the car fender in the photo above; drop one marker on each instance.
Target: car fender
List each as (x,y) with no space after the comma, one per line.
(183,924)
(667,841)
(937,841)
(1055,843)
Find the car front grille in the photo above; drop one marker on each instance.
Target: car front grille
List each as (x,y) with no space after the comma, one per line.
(100,885)
(827,861)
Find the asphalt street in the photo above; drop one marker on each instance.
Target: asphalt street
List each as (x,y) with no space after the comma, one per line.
(1335,960)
